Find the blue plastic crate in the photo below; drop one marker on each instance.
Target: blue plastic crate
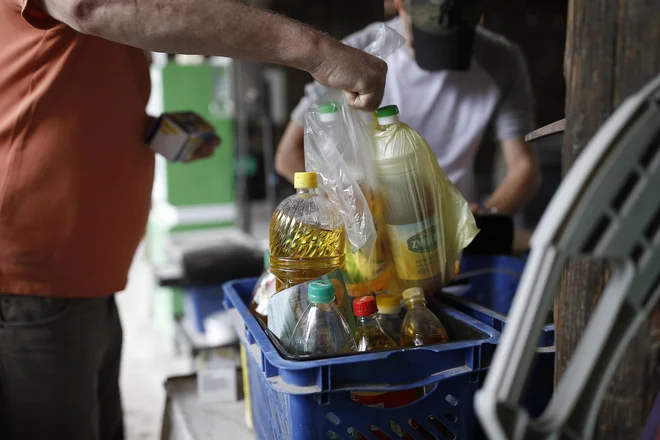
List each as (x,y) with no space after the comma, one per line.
(310,399)
(201,302)
(487,297)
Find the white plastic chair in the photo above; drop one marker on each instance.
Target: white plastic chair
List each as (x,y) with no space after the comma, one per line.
(607,206)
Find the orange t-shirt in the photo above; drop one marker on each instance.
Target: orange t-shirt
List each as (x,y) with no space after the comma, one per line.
(75,174)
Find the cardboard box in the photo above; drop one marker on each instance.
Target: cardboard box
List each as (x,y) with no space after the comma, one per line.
(217,376)
(177,136)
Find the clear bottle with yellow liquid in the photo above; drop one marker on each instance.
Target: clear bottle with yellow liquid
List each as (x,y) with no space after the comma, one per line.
(369,336)
(307,238)
(420,325)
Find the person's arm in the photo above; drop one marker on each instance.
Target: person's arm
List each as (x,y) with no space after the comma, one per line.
(226,28)
(513,119)
(290,154)
(522,179)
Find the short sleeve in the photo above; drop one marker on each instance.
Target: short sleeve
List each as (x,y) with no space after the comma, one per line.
(515,113)
(313,91)
(35,16)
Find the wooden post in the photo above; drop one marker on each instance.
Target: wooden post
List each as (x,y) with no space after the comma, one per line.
(612,50)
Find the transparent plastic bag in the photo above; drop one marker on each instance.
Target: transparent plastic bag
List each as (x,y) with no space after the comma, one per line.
(339,146)
(428,220)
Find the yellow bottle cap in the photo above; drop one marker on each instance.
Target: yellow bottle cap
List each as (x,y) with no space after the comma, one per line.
(388,304)
(305,181)
(413,293)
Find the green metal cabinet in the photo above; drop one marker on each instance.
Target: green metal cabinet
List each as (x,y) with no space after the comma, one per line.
(198,195)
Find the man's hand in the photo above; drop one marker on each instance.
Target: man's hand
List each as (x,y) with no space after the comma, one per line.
(360,75)
(205,150)
(478,209)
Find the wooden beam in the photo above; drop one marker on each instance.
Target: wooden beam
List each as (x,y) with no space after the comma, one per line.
(612,50)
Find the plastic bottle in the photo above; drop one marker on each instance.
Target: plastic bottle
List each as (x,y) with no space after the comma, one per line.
(420,326)
(369,335)
(321,330)
(263,290)
(368,270)
(389,315)
(409,203)
(307,238)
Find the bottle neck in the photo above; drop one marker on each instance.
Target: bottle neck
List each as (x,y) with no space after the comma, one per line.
(311,191)
(325,307)
(415,303)
(367,321)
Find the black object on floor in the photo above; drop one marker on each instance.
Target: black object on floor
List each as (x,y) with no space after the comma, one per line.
(221,263)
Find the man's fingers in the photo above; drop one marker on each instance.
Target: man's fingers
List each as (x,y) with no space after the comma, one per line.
(366,103)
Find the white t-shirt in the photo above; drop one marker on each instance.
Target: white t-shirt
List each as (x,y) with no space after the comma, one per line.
(452,109)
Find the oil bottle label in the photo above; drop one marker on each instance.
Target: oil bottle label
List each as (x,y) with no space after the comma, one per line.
(415,248)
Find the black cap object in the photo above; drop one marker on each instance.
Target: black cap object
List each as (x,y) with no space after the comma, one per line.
(443,32)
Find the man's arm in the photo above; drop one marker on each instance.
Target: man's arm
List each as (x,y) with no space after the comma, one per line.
(513,119)
(522,179)
(290,154)
(226,28)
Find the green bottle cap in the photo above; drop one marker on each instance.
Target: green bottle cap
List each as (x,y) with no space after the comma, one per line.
(330,107)
(387,111)
(320,292)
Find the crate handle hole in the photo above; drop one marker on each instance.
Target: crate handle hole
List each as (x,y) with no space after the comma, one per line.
(442,428)
(451,417)
(451,400)
(332,417)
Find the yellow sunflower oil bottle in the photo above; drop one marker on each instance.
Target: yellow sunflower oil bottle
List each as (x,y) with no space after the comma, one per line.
(307,238)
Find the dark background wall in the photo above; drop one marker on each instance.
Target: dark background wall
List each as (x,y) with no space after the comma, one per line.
(539,28)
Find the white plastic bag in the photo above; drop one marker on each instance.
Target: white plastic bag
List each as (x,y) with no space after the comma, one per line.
(339,143)
(340,152)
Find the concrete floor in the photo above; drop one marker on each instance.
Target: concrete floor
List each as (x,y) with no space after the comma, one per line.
(148,354)
(148,357)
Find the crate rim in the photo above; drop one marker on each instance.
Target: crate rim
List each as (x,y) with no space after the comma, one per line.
(232,300)
(450,297)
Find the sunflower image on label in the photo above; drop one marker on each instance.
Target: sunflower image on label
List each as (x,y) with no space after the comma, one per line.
(415,250)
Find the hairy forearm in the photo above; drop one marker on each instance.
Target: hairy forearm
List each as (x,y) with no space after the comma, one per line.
(208,27)
(517,188)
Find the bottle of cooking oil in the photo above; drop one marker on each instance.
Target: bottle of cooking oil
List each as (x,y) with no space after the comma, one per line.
(370,336)
(410,209)
(368,270)
(307,238)
(389,315)
(420,326)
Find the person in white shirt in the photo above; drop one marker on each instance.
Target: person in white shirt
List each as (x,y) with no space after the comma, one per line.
(450,87)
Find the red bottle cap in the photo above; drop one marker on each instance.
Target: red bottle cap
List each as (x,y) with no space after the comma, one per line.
(365,306)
